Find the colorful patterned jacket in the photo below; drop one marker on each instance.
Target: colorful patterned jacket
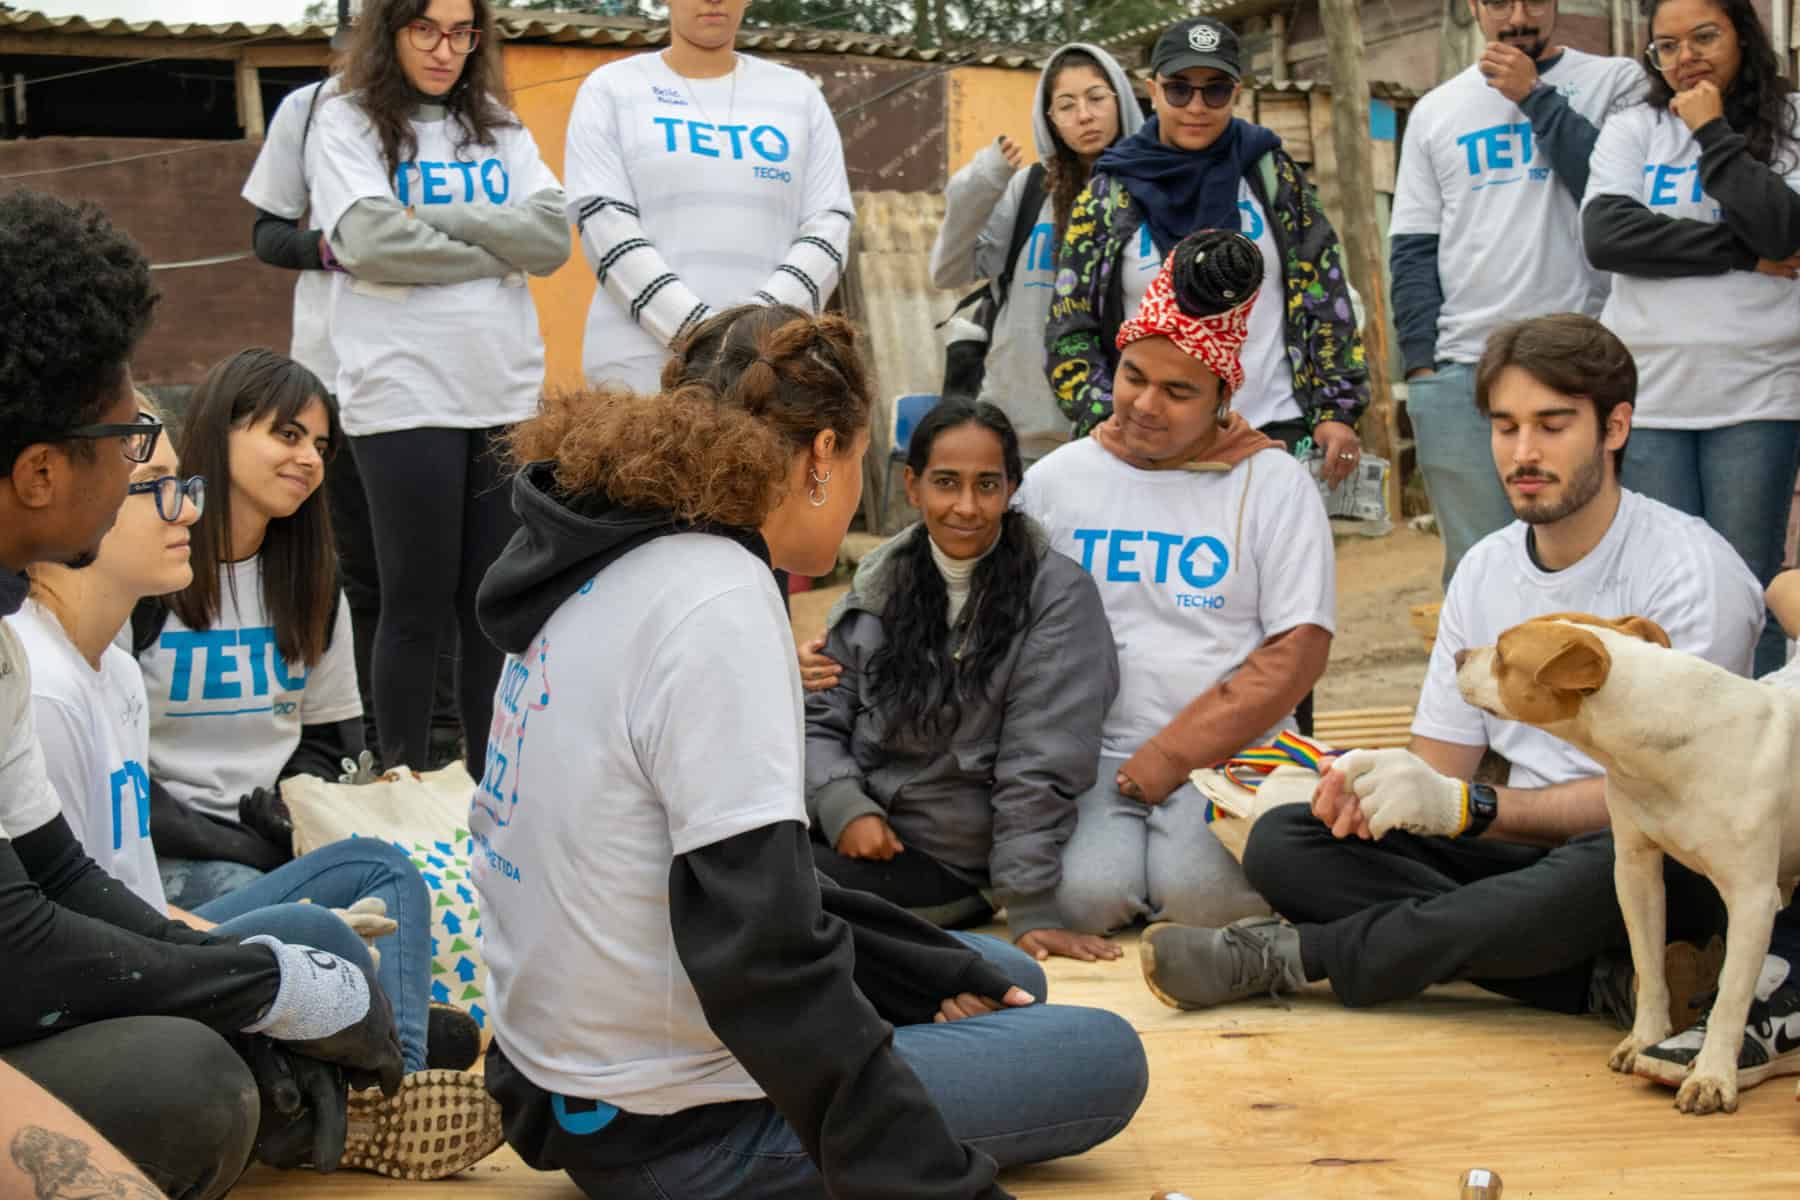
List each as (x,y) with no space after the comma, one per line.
(1331,380)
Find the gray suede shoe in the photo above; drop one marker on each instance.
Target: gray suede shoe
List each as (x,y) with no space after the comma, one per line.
(1190,967)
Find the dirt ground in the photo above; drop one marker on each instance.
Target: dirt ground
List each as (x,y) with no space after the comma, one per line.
(1377,659)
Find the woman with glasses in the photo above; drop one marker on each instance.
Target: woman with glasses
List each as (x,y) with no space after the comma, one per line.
(90,707)
(1083,105)
(1194,166)
(1693,202)
(435,207)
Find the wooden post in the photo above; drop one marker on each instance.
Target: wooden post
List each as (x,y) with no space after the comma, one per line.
(1278,47)
(249,100)
(1361,229)
(1620,27)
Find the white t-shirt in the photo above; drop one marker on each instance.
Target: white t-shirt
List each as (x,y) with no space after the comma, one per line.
(1654,562)
(1268,391)
(95,730)
(1196,568)
(27,801)
(456,355)
(1509,234)
(723,173)
(1711,350)
(277,184)
(226,710)
(658,711)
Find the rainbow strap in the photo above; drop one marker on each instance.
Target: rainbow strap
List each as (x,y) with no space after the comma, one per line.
(1248,768)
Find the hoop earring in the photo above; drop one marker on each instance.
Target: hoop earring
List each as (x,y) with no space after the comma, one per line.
(816,495)
(1223,416)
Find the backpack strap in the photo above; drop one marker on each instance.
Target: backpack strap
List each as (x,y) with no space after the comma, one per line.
(1031,202)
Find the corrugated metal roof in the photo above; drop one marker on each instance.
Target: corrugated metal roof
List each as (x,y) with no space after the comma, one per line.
(553,28)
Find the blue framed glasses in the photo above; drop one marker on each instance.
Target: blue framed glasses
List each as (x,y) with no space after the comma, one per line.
(171,493)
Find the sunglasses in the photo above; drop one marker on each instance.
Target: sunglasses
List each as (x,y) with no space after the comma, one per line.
(138,438)
(1180,93)
(171,493)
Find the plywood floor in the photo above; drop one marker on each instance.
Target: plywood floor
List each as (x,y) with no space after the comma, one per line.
(1313,1101)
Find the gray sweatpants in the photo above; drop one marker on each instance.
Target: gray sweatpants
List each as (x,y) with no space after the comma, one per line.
(1130,861)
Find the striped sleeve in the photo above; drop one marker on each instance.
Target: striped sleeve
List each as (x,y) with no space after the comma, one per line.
(814,263)
(603,208)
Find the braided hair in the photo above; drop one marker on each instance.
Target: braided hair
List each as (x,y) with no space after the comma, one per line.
(1214,271)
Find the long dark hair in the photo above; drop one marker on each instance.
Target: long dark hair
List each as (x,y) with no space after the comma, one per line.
(1756,103)
(478,101)
(925,670)
(1065,174)
(299,557)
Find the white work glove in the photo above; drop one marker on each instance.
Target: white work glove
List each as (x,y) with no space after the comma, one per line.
(331,1009)
(368,920)
(358,770)
(1397,789)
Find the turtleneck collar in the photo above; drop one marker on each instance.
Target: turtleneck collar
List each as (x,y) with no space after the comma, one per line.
(958,574)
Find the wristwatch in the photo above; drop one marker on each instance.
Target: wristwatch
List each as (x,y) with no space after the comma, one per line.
(1483,807)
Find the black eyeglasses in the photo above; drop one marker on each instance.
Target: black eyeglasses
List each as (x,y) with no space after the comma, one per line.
(138,438)
(1181,93)
(171,493)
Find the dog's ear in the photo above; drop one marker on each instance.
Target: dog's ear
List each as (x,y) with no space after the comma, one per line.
(1579,664)
(1644,629)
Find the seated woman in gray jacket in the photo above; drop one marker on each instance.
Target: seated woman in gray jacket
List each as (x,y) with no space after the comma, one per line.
(974,667)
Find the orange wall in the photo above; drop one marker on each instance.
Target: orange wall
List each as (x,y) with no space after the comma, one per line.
(986,102)
(544,80)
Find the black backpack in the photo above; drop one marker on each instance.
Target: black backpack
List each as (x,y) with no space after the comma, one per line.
(965,360)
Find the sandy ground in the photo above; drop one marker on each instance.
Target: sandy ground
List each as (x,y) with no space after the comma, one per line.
(1377,660)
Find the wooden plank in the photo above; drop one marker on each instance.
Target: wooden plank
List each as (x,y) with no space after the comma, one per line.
(249,100)
(1260,1101)
(1361,228)
(306,54)
(1285,114)
(88,46)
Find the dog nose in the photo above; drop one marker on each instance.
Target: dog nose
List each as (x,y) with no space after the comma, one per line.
(1462,656)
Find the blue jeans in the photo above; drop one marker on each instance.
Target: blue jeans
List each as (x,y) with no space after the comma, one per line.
(191,882)
(337,876)
(1021,1085)
(1456,456)
(1740,479)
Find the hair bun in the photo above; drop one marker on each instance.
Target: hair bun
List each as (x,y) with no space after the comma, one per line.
(1213,271)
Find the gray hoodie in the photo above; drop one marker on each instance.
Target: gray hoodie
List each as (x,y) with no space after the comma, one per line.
(994,801)
(980,203)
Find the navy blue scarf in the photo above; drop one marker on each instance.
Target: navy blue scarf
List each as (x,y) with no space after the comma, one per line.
(1186,190)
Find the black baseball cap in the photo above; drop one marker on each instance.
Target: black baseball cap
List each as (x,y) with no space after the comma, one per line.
(1198,42)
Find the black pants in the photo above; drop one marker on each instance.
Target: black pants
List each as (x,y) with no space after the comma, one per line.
(442,513)
(357,573)
(1385,920)
(1290,434)
(913,880)
(170,1094)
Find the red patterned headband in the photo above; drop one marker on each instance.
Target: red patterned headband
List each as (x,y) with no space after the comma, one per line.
(1216,341)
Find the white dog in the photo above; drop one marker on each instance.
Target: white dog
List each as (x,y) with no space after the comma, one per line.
(1700,764)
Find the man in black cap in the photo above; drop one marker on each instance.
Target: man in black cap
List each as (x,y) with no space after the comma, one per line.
(1195,166)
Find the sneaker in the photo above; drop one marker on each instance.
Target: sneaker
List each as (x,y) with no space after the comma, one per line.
(438,1123)
(452,1039)
(1692,973)
(1186,966)
(1771,1036)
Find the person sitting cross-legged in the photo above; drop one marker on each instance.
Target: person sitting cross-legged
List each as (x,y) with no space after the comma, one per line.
(1404,873)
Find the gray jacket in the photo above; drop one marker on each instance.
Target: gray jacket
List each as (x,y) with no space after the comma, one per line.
(997,803)
(981,202)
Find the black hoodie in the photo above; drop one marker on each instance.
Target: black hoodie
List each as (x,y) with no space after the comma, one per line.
(801,980)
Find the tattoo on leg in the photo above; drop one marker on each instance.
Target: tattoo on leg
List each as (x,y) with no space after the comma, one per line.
(61,1169)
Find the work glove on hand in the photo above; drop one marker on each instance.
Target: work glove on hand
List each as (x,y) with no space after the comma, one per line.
(368,920)
(305,1106)
(1398,790)
(331,1009)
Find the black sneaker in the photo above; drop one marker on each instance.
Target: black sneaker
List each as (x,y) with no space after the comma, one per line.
(1771,1036)
(1692,973)
(452,1039)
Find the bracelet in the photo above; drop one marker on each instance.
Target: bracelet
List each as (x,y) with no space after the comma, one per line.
(1481,804)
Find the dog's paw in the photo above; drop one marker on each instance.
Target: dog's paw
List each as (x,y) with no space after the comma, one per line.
(1625,1054)
(1701,1094)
